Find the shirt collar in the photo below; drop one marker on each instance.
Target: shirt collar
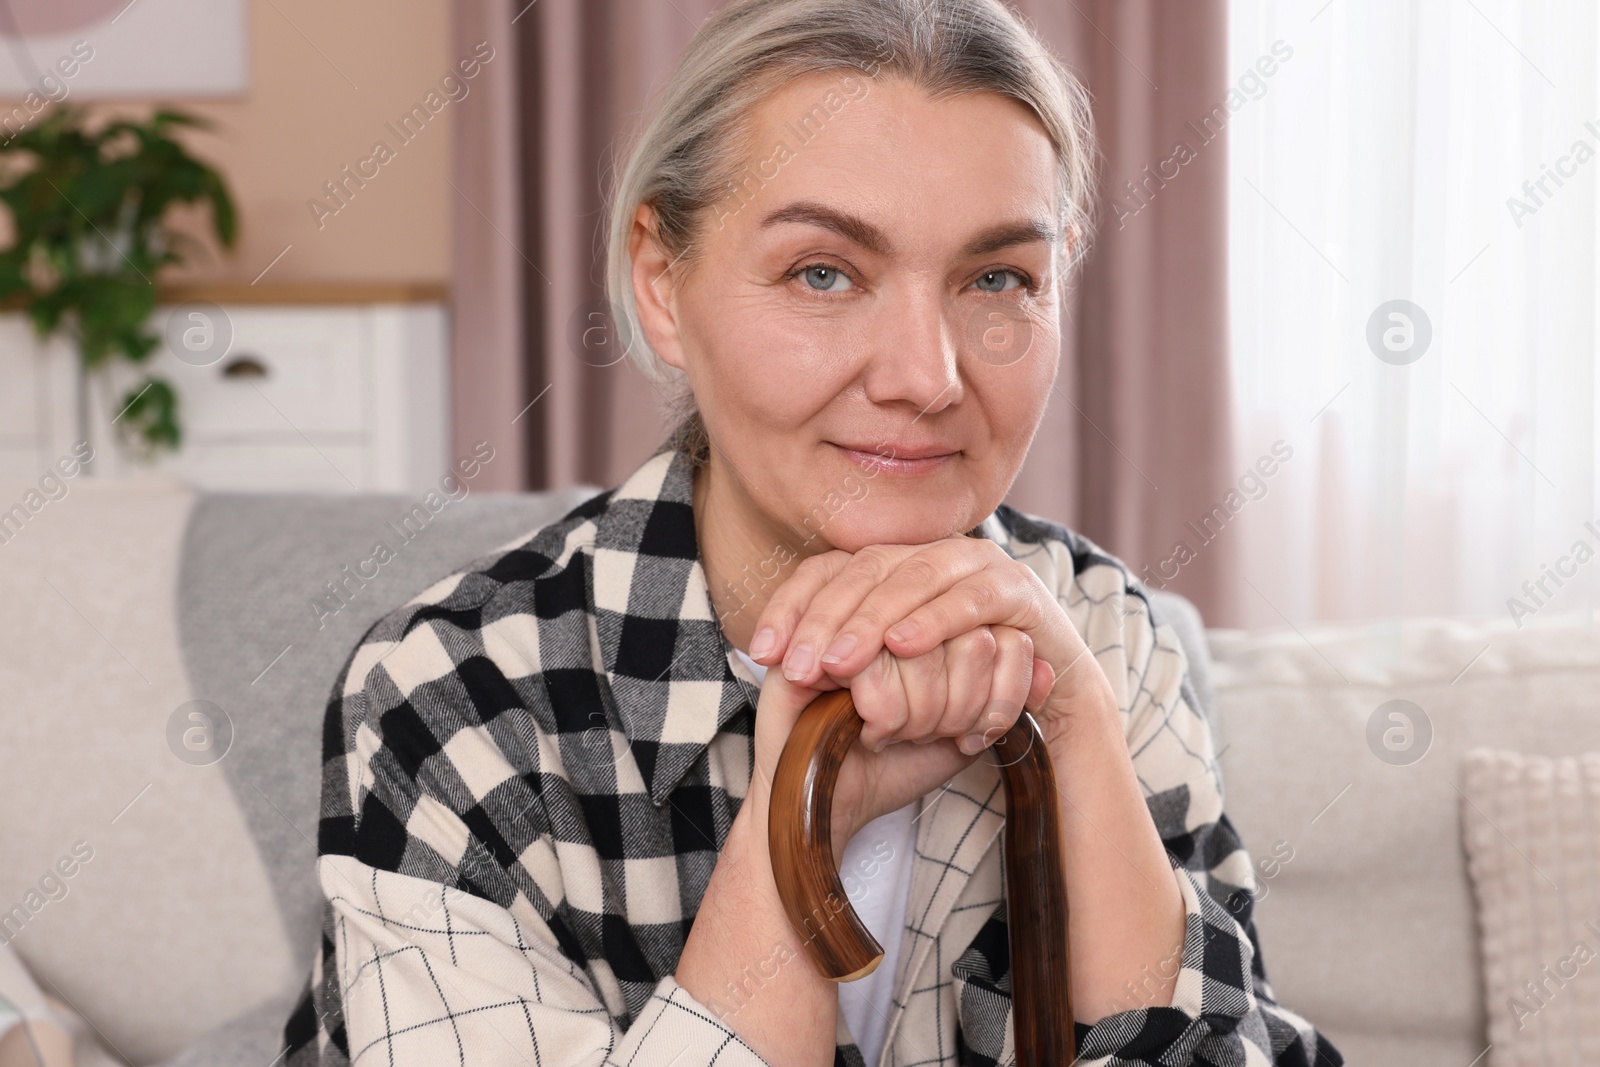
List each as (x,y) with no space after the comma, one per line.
(666,659)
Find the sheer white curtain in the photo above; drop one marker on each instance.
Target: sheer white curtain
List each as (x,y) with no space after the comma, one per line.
(1386,160)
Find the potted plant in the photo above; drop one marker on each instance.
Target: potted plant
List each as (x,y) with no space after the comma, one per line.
(89,204)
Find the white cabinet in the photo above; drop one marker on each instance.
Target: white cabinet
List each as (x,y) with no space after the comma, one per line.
(38,400)
(325,398)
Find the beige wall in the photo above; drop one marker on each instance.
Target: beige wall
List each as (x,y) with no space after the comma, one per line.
(302,121)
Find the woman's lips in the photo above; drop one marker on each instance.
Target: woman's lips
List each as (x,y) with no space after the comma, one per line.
(887,460)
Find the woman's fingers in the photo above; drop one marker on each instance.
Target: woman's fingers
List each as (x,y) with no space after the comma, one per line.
(873,587)
(974,565)
(971,662)
(1004,595)
(1010,684)
(789,602)
(806,633)
(909,599)
(883,696)
(970,689)
(1044,681)
(854,593)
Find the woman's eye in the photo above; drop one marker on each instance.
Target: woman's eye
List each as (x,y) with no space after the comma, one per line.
(994,281)
(827,279)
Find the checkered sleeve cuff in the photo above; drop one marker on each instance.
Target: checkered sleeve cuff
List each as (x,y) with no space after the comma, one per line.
(675,1028)
(1214,982)
(1213,992)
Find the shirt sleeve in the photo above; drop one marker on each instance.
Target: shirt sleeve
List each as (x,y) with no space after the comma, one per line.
(436,950)
(1223,1009)
(433,975)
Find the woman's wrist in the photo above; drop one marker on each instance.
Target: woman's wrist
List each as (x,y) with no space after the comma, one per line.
(1092,722)
(1127,910)
(743,960)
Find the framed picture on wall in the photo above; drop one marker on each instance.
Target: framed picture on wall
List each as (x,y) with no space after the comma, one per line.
(123,48)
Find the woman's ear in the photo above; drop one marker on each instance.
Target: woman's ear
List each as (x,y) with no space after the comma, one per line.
(654,296)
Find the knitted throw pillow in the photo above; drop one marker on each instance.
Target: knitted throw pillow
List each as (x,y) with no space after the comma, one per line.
(1531,828)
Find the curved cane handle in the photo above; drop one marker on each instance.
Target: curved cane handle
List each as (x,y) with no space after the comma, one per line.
(799,838)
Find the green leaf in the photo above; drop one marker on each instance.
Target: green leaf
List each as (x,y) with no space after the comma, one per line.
(88,203)
(149,418)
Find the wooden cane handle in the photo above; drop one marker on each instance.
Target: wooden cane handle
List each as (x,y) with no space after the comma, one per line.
(799,837)
(800,840)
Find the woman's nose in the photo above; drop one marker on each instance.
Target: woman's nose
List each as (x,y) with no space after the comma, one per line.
(914,356)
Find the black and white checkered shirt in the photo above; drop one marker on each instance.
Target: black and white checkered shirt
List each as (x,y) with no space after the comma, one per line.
(530,769)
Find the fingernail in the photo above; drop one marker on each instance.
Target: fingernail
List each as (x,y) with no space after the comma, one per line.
(881,745)
(762,643)
(972,744)
(798,665)
(842,646)
(904,632)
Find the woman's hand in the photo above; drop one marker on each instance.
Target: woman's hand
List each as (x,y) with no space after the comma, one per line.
(840,611)
(953,700)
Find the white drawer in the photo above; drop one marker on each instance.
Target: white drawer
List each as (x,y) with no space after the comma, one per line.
(315,380)
(363,385)
(38,393)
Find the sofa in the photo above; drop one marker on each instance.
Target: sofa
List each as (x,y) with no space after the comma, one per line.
(168,654)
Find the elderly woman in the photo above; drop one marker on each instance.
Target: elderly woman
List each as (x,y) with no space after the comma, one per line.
(844,235)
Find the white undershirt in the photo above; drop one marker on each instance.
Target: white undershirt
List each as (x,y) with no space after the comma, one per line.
(876,871)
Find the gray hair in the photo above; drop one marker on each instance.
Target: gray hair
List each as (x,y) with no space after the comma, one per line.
(685,159)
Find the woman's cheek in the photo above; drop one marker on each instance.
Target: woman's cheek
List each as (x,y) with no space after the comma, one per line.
(1029,393)
(789,375)
(826,340)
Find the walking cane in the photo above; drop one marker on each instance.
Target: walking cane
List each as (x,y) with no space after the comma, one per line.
(799,837)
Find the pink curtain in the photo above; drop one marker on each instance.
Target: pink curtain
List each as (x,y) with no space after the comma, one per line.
(489,376)
(1135,448)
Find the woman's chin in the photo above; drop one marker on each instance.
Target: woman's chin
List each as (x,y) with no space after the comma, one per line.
(902,522)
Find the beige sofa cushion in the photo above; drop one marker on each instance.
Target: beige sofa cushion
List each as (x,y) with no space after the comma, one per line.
(1531,826)
(1369,930)
(90,677)
(186,925)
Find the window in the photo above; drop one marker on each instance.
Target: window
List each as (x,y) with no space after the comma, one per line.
(1413,271)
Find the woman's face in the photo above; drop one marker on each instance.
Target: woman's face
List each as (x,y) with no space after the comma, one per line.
(870,326)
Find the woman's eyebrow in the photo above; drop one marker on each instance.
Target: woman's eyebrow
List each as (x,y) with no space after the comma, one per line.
(1007,235)
(863,233)
(851,227)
